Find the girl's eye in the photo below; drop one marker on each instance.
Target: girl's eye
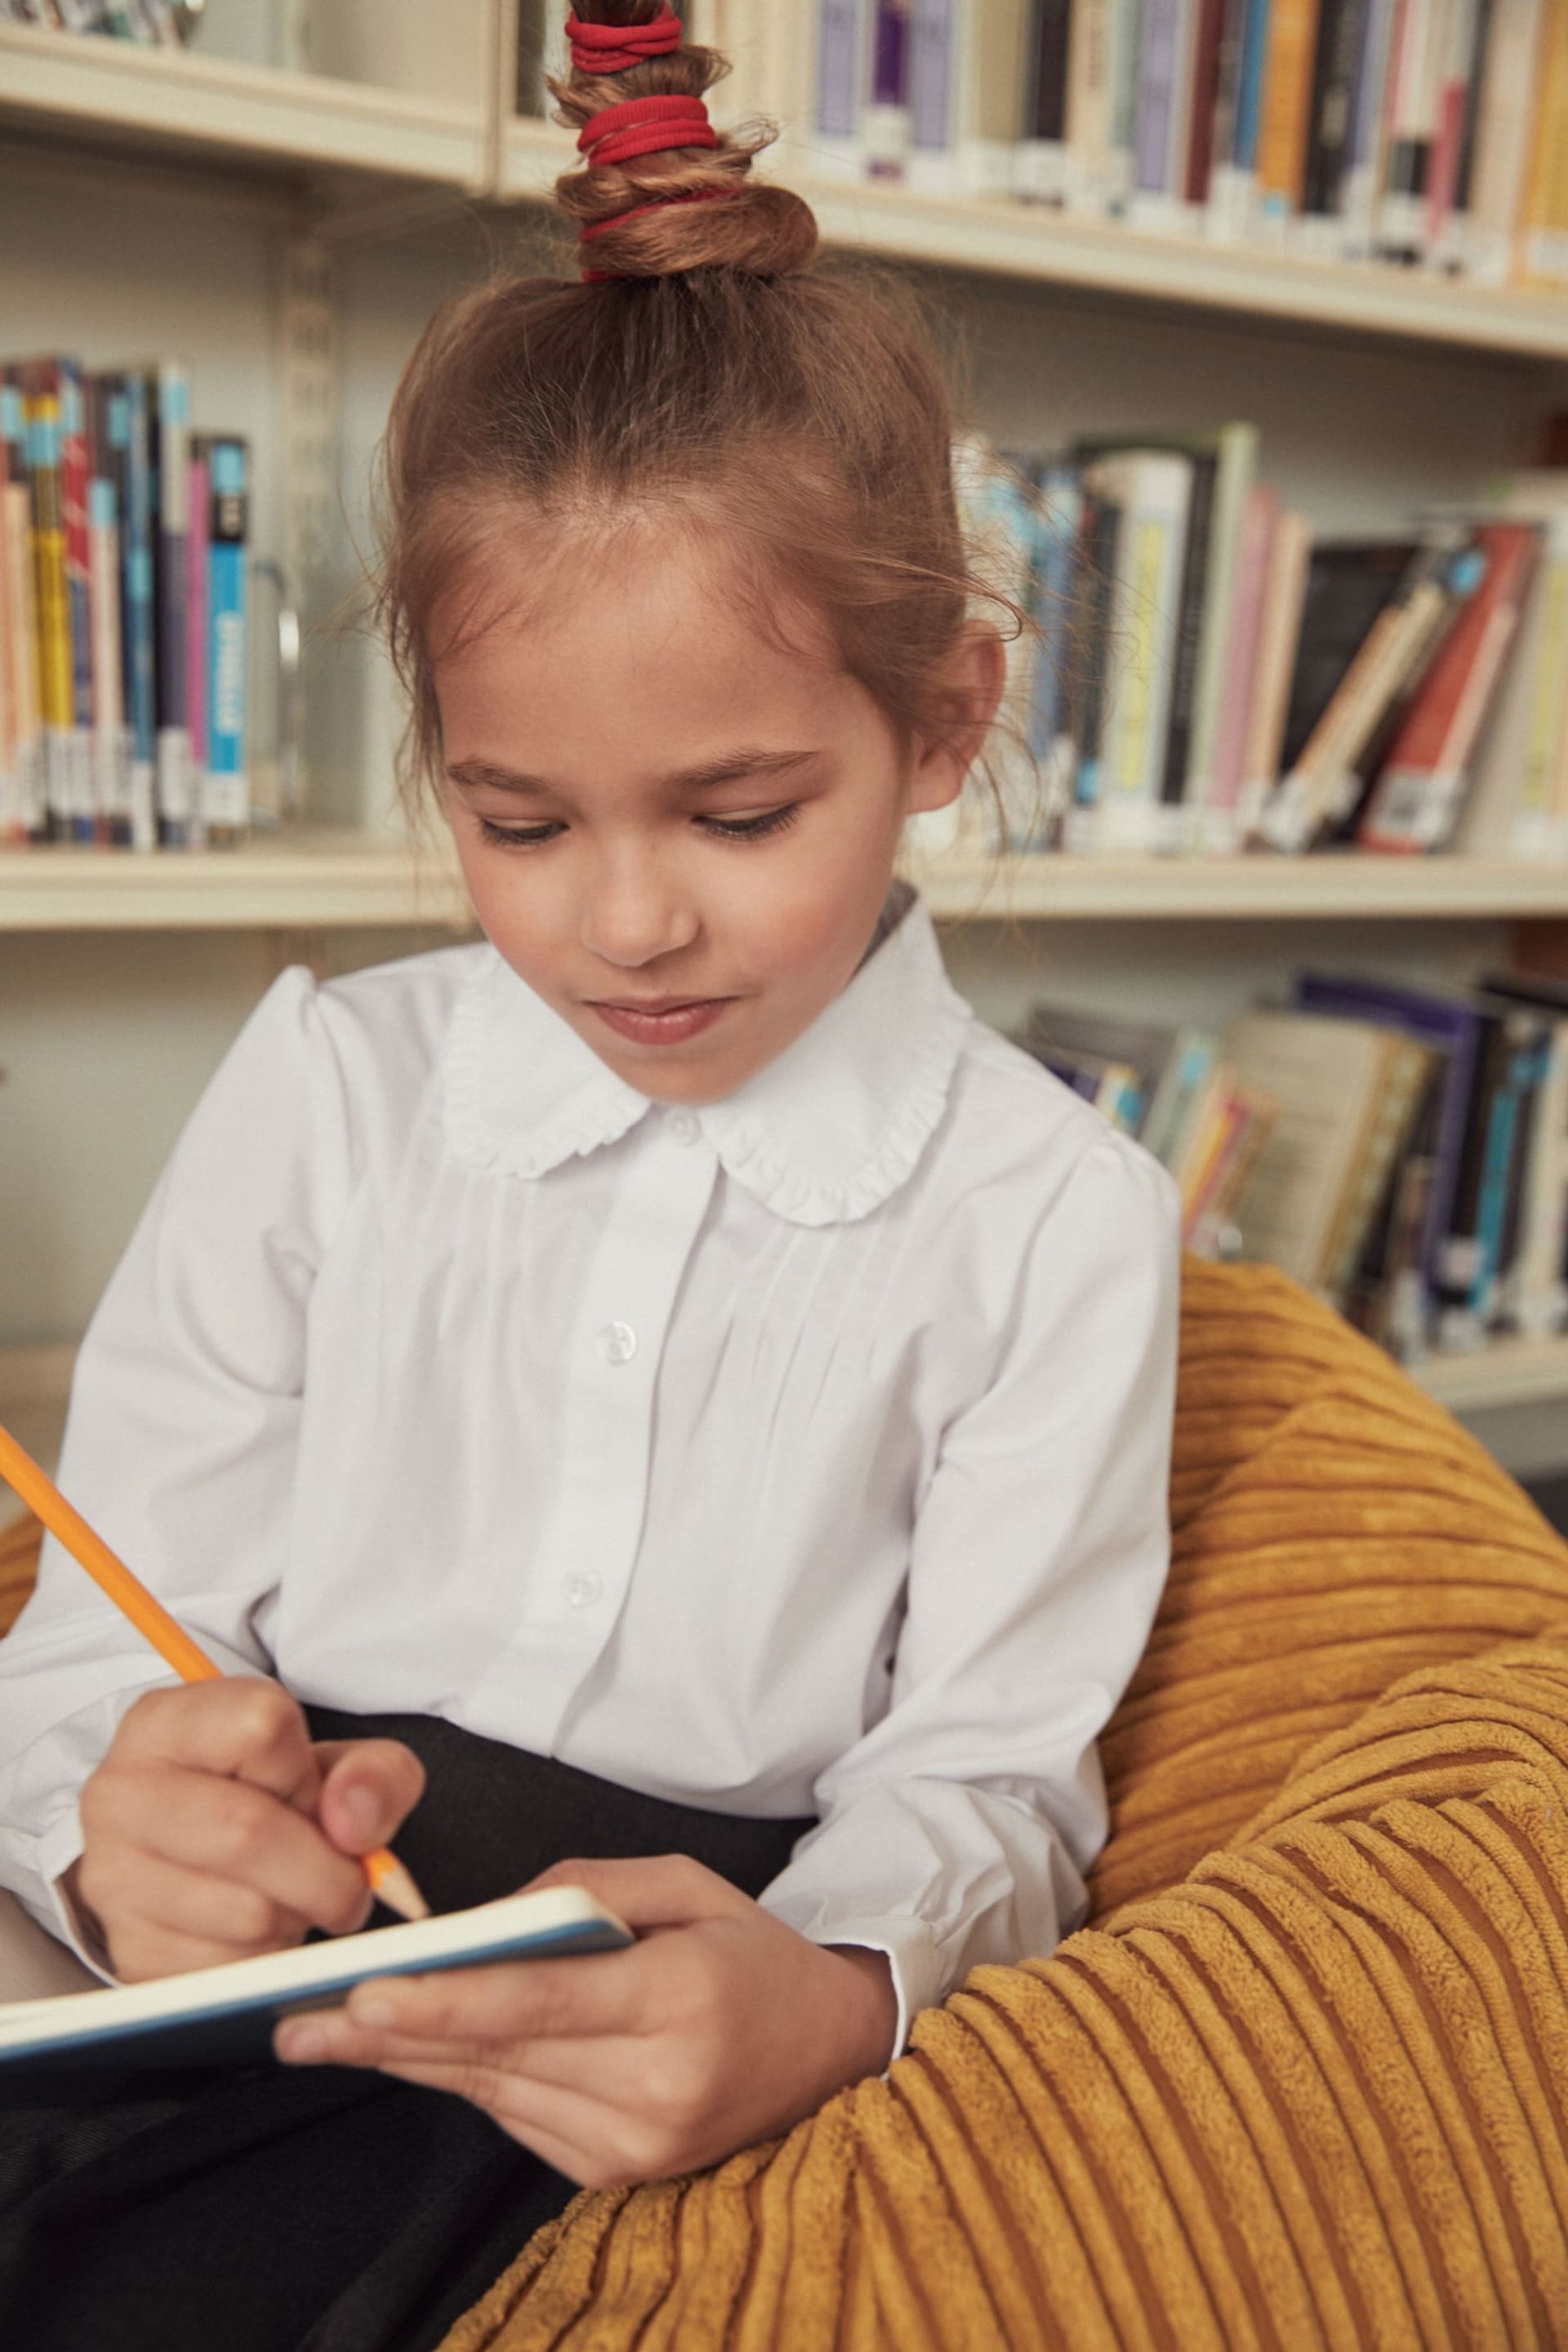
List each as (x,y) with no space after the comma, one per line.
(746,828)
(754,828)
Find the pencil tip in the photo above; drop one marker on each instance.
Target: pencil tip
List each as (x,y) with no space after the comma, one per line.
(396,1887)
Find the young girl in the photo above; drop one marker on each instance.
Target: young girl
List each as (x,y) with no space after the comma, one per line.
(660,1398)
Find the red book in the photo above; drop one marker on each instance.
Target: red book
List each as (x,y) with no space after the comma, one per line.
(1416,800)
(1204,94)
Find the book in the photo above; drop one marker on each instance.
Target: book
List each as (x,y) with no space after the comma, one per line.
(1367,137)
(74,475)
(1041,167)
(1415,802)
(1158,155)
(1286,99)
(1411,109)
(1219,821)
(1322,783)
(1327,1078)
(1152,490)
(225,2016)
(1208,31)
(1503,133)
(1088,105)
(841,63)
(932,163)
(1541,250)
(197,553)
(1278,637)
(1239,100)
(884,127)
(991,57)
(224,781)
(1340,26)
(170,399)
(1537,1300)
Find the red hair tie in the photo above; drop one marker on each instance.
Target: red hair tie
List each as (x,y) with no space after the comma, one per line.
(643,126)
(662,204)
(615,48)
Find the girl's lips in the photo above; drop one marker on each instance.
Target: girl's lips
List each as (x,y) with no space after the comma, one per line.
(672,1028)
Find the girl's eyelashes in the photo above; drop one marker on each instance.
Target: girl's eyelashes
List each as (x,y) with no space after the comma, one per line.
(748,828)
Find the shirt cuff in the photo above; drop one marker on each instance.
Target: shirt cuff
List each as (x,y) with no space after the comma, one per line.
(909,1946)
(53,1855)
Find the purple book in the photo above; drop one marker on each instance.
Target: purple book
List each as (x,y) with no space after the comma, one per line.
(930,72)
(839,68)
(1156,95)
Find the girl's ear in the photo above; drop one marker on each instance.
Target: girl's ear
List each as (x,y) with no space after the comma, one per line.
(976,672)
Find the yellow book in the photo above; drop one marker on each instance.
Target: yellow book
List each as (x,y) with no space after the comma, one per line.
(51,596)
(1542,241)
(1287,103)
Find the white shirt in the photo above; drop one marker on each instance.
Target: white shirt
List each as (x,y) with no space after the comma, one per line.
(805,1452)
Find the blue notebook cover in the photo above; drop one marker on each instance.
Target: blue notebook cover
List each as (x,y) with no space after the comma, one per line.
(60,2048)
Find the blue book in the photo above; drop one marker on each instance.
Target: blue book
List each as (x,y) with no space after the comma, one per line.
(176,802)
(130,426)
(223,2017)
(1249,84)
(224,794)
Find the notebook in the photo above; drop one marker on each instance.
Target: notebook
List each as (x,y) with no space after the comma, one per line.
(225,2016)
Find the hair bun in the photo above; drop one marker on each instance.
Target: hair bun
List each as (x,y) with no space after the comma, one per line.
(656,214)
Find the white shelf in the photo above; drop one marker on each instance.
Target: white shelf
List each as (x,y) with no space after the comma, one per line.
(181,103)
(1510,1372)
(1167,889)
(1026,241)
(318,877)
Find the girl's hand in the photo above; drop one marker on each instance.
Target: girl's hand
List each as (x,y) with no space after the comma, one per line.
(719,2027)
(214,1829)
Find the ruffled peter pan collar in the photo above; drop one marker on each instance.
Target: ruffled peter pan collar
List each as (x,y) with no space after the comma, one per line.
(822,1135)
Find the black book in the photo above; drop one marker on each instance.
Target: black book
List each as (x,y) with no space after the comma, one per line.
(1340,29)
(1046,91)
(1189,627)
(1098,532)
(1349,583)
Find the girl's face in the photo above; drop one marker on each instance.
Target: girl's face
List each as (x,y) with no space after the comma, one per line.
(655,808)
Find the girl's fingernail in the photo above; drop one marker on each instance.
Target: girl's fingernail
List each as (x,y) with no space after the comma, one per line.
(301,2042)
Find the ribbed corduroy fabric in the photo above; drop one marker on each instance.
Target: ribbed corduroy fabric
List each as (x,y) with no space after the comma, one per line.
(1305,2081)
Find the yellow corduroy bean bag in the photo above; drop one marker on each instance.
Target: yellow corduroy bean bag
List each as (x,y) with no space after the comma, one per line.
(1304,2081)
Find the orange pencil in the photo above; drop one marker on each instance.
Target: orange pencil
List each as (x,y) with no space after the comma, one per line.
(386,1874)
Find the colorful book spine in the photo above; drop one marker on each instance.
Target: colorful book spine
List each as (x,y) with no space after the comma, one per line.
(1366,140)
(1414,803)
(1237,472)
(1154,145)
(1414,66)
(1154,492)
(175,796)
(885,117)
(1218,822)
(841,52)
(225,798)
(932,161)
(1124,40)
(56,684)
(25,817)
(1287,99)
(1208,31)
(1051,738)
(1340,27)
(74,474)
(132,414)
(1543,218)
(197,619)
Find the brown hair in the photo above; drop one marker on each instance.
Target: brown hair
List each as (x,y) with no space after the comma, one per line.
(797,414)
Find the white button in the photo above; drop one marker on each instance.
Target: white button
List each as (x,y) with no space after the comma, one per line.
(683,1127)
(617,1343)
(581,1588)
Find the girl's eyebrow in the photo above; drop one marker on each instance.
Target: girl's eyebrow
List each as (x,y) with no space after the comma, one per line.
(484,774)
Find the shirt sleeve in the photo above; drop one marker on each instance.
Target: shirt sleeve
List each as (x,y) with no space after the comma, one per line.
(181,1428)
(960,1829)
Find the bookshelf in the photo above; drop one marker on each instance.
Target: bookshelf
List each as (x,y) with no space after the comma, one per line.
(104,97)
(1032,244)
(152,202)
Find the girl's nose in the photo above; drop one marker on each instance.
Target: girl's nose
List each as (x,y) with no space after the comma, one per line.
(630,917)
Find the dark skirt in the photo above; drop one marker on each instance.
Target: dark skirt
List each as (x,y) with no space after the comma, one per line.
(323,2210)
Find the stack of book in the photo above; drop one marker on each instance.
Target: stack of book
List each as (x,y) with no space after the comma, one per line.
(1196,673)
(1432,132)
(1403,1151)
(123,632)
